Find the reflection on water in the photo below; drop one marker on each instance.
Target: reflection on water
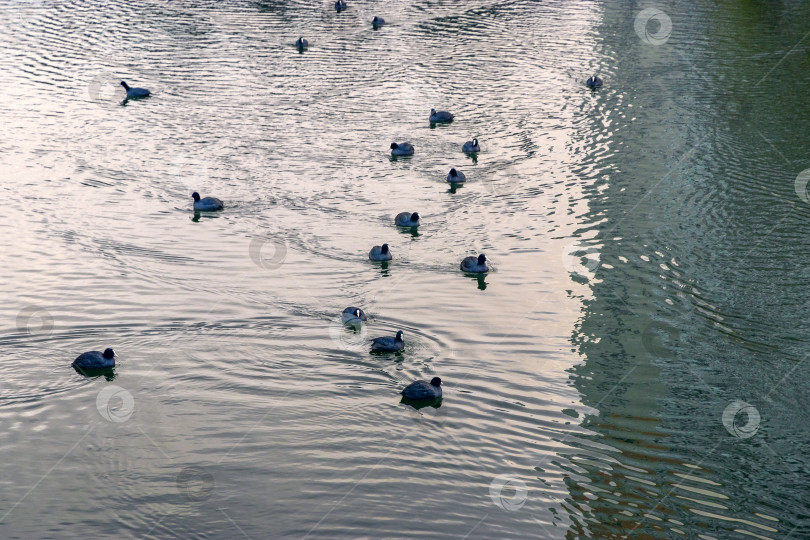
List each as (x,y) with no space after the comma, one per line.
(634,368)
(412,231)
(422,403)
(107,373)
(655,460)
(480,279)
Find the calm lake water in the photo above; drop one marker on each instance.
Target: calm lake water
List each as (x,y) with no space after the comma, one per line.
(634,366)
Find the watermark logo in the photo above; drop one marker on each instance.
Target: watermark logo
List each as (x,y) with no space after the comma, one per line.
(115,404)
(267,253)
(190,171)
(34,320)
(418,97)
(101,78)
(235,41)
(505,182)
(800,185)
(741,419)
(651,339)
(576,258)
(195,484)
(653,26)
(16,15)
(349,336)
(506,482)
(105,90)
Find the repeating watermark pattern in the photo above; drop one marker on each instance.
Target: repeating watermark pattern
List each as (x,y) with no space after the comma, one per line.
(34,314)
(651,339)
(234,44)
(576,258)
(195,484)
(516,501)
(206,167)
(505,182)
(418,97)
(115,404)
(190,171)
(653,26)
(364,13)
(105,90)
(267,253)
(102,77)
(741,419)
(535,41)
(348,336)
(17,15)
(800,185)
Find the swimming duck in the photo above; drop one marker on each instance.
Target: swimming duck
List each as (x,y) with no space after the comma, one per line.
(423,390)
(353,315)
(471,146)
(388,344)
(406,219)
(456,177)
(135,92)
(302,43)
(95,360)
(208,203)
(594,82)
(475,265)
(380,253)
(376,22)
(440,117)
(340,5)
(401,149)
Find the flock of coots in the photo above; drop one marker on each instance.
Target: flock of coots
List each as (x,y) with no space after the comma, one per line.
(418,392)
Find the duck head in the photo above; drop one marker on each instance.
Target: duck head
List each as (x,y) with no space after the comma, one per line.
(195,196)
(435,381)
(108,354)
(384,248)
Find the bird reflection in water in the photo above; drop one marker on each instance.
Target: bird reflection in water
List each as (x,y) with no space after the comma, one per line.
(94,373)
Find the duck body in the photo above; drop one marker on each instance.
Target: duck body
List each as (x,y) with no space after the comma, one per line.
(440,117)
(388,344)
(302,43)
(95,360)
(353,315)
(380,253)
(206,204)
(376,22)
(406,219)
(594,82)
(471,146)
(401,149)
(475,265)
(423,390)
(135,92)
(456,177)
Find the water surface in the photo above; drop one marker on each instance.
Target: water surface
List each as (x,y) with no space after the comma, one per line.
(647,239)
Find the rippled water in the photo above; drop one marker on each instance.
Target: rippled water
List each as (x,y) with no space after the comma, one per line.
(633,367)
